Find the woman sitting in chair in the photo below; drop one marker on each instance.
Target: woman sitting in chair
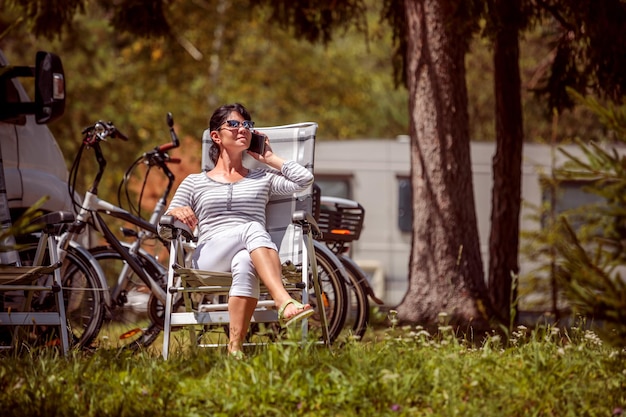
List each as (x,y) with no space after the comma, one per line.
(227,204)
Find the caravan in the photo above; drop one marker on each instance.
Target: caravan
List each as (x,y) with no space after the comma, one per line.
(376,173)
(33,163)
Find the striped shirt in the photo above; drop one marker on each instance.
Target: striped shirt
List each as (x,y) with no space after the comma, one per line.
(220,206)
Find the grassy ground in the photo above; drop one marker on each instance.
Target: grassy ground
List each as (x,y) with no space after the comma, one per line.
(395,372)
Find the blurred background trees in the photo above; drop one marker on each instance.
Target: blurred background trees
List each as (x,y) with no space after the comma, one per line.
(220,51)
(224,51)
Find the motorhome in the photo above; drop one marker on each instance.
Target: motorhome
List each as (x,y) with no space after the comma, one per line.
(376,172)
(33,163)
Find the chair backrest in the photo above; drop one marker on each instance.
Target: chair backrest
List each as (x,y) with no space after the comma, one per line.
(295,142)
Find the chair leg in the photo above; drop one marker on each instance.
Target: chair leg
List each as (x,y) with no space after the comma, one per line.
(317,288)
(167,325)
(54,258)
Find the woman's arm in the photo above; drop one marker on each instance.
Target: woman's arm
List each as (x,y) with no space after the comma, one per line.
(182,202)
(294,176)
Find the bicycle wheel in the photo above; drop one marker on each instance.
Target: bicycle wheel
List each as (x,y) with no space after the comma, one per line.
(331,275)
(359,308)
(134,319)
(82,293)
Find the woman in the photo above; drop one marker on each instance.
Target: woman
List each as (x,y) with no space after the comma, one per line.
(227,204)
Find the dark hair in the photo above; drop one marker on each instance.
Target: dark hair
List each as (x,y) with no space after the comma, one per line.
(219,117)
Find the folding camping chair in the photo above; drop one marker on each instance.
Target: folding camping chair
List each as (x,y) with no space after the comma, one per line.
(290,225)
(39,284)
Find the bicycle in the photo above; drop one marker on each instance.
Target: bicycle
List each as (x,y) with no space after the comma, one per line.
(341,222)
(130,279)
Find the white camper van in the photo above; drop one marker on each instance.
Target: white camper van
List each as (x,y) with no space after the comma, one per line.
(375,172)
(33,163)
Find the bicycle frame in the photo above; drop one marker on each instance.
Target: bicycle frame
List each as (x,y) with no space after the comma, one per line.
(92,208)
(91,211)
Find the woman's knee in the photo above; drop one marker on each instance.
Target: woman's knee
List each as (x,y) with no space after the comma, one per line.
(255,236)
(242,264)
(245,280)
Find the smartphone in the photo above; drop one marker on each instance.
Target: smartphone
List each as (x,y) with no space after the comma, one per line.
(257,143)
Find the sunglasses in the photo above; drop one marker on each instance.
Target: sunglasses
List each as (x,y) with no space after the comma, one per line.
(236,124)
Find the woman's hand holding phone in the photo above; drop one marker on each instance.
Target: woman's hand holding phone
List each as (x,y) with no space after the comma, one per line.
(261,150)
(257,143)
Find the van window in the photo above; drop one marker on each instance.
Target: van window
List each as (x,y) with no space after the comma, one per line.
(405,207)
(335,185)
(570,195)
(8,95)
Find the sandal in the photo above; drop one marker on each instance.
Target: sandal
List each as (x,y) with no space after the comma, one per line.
(299,316)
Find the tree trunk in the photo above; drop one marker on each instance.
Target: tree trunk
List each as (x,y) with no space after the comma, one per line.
(507,162)
(446,270)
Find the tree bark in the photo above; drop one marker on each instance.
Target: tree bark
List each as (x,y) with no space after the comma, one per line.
(507,162)
(446,270)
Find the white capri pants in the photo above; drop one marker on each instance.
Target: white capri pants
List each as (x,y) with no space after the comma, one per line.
(229,251)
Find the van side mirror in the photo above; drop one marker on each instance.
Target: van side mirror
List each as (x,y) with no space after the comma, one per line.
(49,87)
(49,102)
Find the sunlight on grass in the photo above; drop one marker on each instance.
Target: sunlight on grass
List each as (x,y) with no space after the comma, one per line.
(400,371)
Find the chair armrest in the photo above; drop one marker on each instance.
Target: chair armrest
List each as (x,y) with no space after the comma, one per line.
(172,228)
(306,220)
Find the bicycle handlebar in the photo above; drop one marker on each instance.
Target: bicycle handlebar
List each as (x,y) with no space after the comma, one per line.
(166,147)
(159,158)
(175,143)
(100,131)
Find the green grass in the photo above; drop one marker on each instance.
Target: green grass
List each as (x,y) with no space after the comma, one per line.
(396,372)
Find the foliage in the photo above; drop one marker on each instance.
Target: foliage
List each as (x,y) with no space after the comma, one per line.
(315,20)
(593,283)
(23,225)
(538,290)
(589,41)
(584,43)
(46,17)
(346,87)
(586,40)
(535,56)
(591,273)
(613,117)
(585,246)
(403,372)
